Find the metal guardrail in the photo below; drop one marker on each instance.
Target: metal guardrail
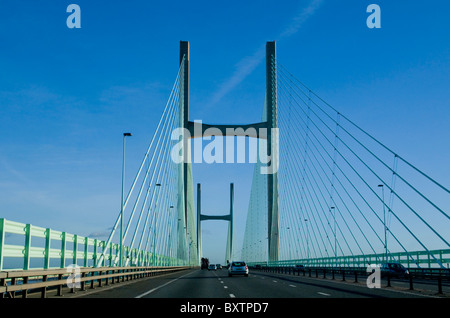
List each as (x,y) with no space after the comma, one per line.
(436,275)
(411,259)
(20,281)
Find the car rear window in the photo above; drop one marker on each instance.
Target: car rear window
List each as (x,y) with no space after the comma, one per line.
(238,264)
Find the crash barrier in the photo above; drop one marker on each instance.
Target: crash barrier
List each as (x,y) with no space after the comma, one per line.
(20,282)
(437,276)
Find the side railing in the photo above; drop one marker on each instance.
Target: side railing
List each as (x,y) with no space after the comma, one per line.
(72,279)
(436,276)
(25,247)
(411,259)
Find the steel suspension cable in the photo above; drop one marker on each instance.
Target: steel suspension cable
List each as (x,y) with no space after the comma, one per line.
(397,196)
(108,242)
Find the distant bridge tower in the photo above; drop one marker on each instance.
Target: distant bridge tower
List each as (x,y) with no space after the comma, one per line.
(227,217)
(186,198)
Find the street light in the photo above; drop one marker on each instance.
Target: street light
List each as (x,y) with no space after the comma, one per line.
(335,241)
(121,206)
(170,242)
(307,240)
(157,186)
(289,244)
(384,221)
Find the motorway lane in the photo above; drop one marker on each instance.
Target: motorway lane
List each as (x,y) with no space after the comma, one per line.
(216,284)
(269,285)
(196,284)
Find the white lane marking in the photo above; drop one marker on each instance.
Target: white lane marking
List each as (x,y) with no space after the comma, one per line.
(274,281)
(292,285)
(324,294)
(225,287)
(221,282)
(156,288)
(232,296)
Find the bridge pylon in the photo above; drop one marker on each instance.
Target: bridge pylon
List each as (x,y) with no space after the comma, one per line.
(269,127)
(203,217)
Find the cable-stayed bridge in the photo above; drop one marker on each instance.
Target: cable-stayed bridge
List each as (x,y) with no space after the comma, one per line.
(345,198)
(325,193)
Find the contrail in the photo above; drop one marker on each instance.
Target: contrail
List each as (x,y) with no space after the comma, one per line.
(246,66)
(301,18)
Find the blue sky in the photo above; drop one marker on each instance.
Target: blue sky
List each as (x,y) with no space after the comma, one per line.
(67,95)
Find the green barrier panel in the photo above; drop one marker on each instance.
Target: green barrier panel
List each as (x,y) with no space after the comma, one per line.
(72,249)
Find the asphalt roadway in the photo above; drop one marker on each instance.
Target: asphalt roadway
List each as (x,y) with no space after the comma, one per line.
(213,292)
(198,283)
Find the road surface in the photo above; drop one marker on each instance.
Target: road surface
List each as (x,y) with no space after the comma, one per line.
(198,283)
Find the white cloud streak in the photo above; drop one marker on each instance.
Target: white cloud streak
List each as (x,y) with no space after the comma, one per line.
(301,18)
(248,64)
(244,68)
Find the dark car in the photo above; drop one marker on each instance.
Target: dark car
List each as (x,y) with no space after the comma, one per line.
(299,268)
(393,270)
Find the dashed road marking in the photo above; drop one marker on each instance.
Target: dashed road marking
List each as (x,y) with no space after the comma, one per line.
(156,288)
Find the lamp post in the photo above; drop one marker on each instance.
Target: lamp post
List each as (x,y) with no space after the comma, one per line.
(121,205)
(289,244)
(307,240)
(169,241)
(157,186)
(335,241)
(384,221)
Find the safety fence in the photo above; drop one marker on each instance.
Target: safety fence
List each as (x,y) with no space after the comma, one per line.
(435,276)
(21,282)
(413,259)
(25,246)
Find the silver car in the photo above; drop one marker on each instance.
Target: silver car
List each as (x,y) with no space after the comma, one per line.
(238,268)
